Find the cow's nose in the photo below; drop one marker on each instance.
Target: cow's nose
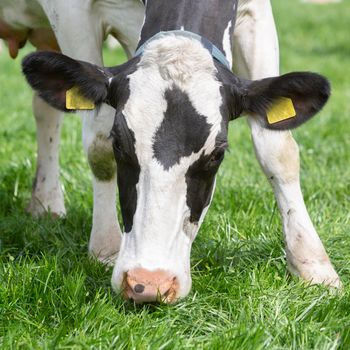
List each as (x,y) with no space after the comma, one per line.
(143,285)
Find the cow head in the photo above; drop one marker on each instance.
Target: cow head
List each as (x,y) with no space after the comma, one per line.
(173,106)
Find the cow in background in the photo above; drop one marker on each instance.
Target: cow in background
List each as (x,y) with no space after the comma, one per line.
(77,28)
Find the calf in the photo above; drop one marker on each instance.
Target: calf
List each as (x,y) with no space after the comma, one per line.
(173,102)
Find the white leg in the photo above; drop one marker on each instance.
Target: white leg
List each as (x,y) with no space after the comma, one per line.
(125,19)
(105,234)
(256,54)
(47,194)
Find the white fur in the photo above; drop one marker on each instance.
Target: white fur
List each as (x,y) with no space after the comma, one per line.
(226,43)
(22,14)
(47,194)
(161,235)
(256,55)
(105,234)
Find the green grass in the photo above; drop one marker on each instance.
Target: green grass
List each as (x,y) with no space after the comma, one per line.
(53,296)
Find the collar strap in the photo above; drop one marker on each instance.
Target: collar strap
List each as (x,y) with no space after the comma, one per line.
(214,51)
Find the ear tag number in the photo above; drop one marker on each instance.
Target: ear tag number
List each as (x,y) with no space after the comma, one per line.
(282,109)
(75,100)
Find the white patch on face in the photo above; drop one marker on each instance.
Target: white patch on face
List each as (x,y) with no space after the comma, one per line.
(226,43)
(161,235)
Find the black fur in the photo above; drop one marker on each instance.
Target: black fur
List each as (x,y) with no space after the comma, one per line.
(208,18)
(200,178)
(128,169)
(118,92)
(182,132)
(308,91)
(52,74)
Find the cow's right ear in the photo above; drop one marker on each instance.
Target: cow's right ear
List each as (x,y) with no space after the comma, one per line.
(53,74)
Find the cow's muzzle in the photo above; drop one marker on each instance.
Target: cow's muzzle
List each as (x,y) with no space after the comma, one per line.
(142,286)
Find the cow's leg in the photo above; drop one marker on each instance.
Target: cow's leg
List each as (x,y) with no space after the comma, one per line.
(105,234)
(47,194)
(256,53)
(82,25)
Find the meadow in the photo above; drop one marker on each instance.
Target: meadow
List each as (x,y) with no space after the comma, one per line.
(53,296)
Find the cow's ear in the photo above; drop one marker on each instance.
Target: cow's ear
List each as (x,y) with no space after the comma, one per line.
(287,101)
(65,83)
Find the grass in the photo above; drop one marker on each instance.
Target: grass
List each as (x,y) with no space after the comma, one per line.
(53,296)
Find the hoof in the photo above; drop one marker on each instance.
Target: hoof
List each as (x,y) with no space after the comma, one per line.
(37,208)
(316,272)
(108,260)
(105,246)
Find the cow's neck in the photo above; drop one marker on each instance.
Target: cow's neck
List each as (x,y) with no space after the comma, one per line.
(213,20)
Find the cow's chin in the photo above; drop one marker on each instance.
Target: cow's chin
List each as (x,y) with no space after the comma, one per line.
(152,271)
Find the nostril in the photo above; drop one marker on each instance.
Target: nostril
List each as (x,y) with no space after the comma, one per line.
(139,288)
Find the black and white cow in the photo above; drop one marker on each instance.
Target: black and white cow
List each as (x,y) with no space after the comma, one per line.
(172,103)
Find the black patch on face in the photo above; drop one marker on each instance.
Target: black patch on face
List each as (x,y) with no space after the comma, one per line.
(182,131)
(128,168)
(119,92)
(200,179)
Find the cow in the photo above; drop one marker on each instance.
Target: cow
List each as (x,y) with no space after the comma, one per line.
(171,105)
(58,25)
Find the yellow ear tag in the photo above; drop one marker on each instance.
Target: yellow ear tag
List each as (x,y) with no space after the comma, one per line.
(282,109)
(75,100)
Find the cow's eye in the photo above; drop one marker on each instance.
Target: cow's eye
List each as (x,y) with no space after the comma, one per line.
(216,157)
(215,160)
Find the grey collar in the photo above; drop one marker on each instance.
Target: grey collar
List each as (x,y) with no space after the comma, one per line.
(214,51)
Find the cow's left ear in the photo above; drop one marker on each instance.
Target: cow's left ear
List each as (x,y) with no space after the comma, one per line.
(65,83)
(284,102)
